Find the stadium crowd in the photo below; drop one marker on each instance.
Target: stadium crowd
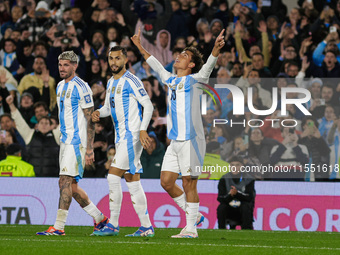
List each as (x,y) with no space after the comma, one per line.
(266,47)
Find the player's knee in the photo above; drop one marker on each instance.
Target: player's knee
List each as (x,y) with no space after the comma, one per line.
(166,184)
(65,181)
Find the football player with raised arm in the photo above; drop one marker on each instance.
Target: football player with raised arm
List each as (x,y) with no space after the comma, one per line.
(186,151)
(75,105)
(125,97)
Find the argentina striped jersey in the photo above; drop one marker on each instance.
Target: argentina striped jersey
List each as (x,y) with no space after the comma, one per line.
(184,119)
(122,102)
(72,98)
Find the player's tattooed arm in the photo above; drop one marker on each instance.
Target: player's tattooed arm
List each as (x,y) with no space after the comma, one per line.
(89,156)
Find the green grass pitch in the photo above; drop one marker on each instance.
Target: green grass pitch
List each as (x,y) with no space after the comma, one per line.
(21,239)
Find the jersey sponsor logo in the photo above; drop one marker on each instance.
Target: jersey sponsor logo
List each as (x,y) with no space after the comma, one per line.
(58,94)
(142,92)
(87,99)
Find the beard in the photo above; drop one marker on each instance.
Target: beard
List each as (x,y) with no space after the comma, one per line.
(118,70)
(65,75)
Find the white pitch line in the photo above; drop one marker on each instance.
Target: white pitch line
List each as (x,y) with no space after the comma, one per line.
(184,244)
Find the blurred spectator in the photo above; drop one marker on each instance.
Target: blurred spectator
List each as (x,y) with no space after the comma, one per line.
(76,16)
(331,42)
(7,124)
(276,7)
(254,48)
(40,84)
(110,154)
(327,98)
(98,93)
(42,143)
(152,19)
(315,89)
(40,110)
(13,165)
(212,159)
(16,14)
(8,56)
(326,122)
(333,139)
(317,147)
(251,77)
(290,157)
(35,20)
(178,25)
(260,146)
(160,50)
(236,194)
(6,138)
(26,108)
(100,145)
(152,158)
(158,124)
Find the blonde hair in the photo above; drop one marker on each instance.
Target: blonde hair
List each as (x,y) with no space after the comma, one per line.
(69,55)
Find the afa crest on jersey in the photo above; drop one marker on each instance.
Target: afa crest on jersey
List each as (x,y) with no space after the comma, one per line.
(87,99)
(142,92)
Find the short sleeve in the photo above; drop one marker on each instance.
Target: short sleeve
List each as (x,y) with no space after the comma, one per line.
(85,94)
(138,90)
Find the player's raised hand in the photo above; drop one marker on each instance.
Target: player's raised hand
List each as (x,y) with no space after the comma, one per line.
(136,38)
(219,43)
(144,139)
(95,116)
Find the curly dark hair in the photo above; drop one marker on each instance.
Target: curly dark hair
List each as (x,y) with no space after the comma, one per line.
(197,58)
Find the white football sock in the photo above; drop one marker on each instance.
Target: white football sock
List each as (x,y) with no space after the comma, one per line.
(116,197)
(180,201)
(191,216)
(61,219)
(94,212)
(138,199)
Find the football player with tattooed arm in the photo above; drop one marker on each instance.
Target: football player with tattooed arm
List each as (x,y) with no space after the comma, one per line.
(186,151)
(75,105)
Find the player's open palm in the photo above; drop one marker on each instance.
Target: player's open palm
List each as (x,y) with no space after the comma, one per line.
(144,139)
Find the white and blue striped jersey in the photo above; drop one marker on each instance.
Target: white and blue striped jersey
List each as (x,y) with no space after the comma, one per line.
(184,119)
(124,99)
(72,98)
